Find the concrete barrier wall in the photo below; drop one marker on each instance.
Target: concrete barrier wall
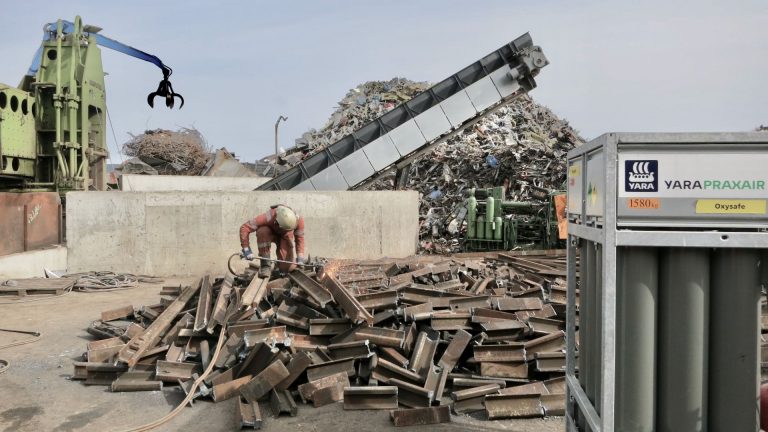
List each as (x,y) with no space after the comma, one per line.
(33,263)
(164,183)
(189,233)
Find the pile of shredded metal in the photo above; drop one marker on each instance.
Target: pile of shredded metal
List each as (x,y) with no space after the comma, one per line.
(181,152)
(522,146)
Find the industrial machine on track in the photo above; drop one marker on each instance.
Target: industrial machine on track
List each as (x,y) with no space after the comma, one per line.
(52,131)
(52,127)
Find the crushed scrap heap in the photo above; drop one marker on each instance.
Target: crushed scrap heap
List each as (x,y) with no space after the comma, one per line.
(479,334)
(522,146)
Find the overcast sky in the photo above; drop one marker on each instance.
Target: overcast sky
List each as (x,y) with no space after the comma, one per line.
(614,66)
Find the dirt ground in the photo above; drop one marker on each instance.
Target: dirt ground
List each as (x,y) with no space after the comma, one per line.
(36,393)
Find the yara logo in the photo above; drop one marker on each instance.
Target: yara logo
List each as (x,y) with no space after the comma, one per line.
(641,176)
(640,173)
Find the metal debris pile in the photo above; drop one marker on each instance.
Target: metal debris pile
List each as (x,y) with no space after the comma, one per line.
(181,152)
(479,334)
(522,146)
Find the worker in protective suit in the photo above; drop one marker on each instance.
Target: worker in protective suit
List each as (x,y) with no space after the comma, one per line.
(279,225)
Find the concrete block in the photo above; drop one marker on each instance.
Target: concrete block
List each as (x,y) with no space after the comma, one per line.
(152,183)
(189,233)
(32,263)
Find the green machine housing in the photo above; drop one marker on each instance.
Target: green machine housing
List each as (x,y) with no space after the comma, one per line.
(52,125)
(496,224)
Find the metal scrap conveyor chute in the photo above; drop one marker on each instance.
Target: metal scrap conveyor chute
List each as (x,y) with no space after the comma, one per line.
(429,118)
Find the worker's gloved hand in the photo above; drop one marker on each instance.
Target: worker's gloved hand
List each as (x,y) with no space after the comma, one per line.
(248,254)
(301,260)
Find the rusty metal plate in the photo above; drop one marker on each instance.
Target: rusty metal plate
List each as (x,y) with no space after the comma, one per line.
(30,221)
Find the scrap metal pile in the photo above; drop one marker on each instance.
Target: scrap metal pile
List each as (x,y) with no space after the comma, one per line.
(420,337)
(522,146)
(182,152)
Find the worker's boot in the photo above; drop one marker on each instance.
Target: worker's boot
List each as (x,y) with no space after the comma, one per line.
(264,270)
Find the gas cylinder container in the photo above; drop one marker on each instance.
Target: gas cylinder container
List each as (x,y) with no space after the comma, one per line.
(480,227)
(498,231)
(471,216)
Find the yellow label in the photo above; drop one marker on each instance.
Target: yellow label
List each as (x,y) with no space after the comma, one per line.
(724,206)
(574,171)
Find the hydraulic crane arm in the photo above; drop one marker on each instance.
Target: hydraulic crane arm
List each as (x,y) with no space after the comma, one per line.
(165,89)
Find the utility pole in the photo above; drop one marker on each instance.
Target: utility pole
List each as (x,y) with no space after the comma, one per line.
(277,149)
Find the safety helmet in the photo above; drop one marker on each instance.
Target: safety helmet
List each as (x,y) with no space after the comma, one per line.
(286,218)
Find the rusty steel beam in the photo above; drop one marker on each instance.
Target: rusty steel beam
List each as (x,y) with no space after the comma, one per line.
(133,350)
(228,354)
(422,357)
(503,331)
(394,356)
(219,312)
(328,395)
(257,360)
(311,287)
(418,313)
(282,402)
(513,406)
(546,312)
(293,320)
(381,336)
(514,351)
(296,366)
(81,369)
(472,399)
(379,300)
(386,370)
(136,381)
(517,304)
(256,291)
(411,395)
(328,326)
(554,342)
(359,349)
(483,315)
(187,321)
(307,390)
(317,371)
(117,313)
(240,327)
(250,414)
(555,385)
(536,387)
(455,349)
(351,306)
(553,404)
(477,382)
(274,335)
(545,326)
(504,369)
(379,397)
(420,416)
(262,383)
(550,362)
(451,321)
(203,313)
(229,389)
(467,303)
(174,371)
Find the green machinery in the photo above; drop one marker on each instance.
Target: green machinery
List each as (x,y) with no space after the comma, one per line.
(496,224)
(52,127)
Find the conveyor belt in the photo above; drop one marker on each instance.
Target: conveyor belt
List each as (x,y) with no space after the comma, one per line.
(429,118)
